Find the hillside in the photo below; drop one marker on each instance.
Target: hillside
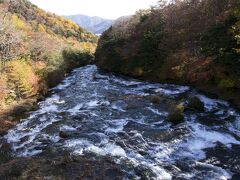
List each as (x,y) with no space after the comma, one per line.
(96,25)
(185,42)
(155,97)
(37,49)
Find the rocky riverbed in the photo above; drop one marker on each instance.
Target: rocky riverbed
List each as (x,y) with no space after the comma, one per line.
(97,125)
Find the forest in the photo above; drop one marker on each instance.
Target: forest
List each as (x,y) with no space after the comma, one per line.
(37,50)
(194,42)
(155,97)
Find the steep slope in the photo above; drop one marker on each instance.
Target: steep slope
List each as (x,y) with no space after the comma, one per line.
(39,19)
(187,42)
(37,49)
(96,25)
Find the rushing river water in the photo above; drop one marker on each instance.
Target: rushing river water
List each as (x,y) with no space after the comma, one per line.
(113,116)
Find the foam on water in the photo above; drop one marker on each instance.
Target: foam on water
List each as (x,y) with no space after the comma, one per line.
(176,90)
(211,104)
(66,83)
(111,116)
(200,139)
(116,125)
(216,172)
(114,150)
(139,160)
(30,133)
(67,128)
(75,110)
(156,111)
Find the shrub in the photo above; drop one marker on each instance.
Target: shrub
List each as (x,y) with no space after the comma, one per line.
(227,83)
(75,58)
(18,23)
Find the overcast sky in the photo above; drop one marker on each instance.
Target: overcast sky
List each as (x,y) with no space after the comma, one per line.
(110,9)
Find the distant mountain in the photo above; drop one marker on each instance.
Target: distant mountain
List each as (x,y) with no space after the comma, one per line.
(96,25)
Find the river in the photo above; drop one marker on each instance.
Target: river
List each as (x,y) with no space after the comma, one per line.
(113,116)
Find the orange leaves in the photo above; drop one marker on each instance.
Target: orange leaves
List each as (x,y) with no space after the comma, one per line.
(38,65)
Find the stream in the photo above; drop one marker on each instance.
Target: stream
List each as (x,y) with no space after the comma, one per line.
(105,115)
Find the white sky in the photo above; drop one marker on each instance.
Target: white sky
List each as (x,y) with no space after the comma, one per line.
(110,9)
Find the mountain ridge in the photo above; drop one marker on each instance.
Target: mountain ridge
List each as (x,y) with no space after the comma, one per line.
(94,24)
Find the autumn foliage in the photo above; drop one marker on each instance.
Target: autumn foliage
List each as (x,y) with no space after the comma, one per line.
(193,42)
(32,46)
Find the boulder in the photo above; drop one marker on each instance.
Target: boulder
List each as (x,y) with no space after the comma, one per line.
(195,103)
(176,115)
(64,134)
(5,152)
(155,99)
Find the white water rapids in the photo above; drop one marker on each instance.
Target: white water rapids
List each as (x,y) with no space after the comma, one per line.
(112,116)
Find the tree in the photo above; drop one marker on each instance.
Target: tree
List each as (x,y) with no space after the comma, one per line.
(10,40)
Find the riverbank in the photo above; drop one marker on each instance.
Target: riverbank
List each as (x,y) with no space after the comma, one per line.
(38,49)
(18,110)
(154,45)
(231,96)
(11,116)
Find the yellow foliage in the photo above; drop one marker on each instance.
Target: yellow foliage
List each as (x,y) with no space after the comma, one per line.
(41,28)
(3,90)
(42,38)
(138,71)
(22,79)
(82,46)
(18,23)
